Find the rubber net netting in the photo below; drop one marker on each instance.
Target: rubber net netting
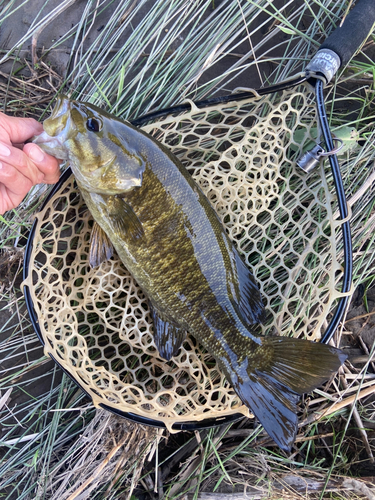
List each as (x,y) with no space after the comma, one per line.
(96,323)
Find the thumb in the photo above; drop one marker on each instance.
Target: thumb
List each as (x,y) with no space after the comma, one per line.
(46,163)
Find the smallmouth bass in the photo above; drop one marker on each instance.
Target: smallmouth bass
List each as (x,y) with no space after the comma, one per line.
(148,208)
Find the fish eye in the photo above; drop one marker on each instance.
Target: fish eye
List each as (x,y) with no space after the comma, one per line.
(93,125)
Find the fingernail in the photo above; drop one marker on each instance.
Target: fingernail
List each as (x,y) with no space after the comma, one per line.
(36,154)
(4,150)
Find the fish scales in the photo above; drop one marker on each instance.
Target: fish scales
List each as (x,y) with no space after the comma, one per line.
(167,234)
(166,206)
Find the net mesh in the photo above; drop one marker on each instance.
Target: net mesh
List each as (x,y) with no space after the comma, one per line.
(96,322)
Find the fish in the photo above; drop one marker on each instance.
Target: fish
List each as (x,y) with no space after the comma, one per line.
(147,208)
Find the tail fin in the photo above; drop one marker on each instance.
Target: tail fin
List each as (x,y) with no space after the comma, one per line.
(271,380)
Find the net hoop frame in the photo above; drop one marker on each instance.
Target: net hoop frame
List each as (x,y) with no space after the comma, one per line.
(185,425)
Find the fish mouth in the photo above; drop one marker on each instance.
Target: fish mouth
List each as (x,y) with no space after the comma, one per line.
(61,107)
(55,124)
(56,129)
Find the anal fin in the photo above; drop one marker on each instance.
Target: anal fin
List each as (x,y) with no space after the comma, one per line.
(250,299)
(168,337)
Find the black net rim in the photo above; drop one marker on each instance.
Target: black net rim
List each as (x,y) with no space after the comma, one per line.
(208,422)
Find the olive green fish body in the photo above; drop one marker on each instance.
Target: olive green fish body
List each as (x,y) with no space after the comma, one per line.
(169,237)
(183,244)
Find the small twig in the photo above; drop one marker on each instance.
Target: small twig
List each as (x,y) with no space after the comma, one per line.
(367,376)
(160,485)
(22,82)
(99,469)
(267,441)
(337,406)
(329,451)
(360,359)
(22,439)
(297,485)
(89,407)
(4,399)
(360,317)
(147,483)
(345,13)
(364,347)
(301,439)
(360,425)
(128,11)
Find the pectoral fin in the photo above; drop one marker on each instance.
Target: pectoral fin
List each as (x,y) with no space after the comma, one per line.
(101,248)
(124,220)
(167,336)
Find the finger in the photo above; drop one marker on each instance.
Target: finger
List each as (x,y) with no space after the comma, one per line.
(19,129)
(8,200)
(14,186)
(21,162)
(5,201)
(46,164)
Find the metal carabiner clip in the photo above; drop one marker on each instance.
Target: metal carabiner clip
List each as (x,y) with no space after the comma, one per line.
(310,159)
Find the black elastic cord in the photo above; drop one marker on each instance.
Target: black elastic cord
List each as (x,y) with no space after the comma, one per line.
(348,256)
(348,263)
(343,208)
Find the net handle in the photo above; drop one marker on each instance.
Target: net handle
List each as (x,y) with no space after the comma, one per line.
(355,29)
(341,45)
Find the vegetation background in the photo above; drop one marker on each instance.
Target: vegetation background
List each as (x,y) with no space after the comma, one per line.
(133,57)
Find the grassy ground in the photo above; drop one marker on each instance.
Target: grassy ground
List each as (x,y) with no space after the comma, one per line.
(133,57)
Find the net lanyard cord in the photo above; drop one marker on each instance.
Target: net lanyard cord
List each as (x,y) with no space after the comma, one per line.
(344,213)
(343,208)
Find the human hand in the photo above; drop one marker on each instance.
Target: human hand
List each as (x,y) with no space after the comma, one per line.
(22,166)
